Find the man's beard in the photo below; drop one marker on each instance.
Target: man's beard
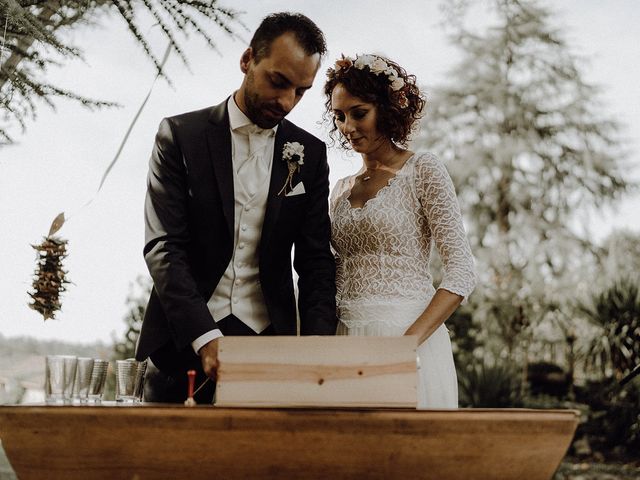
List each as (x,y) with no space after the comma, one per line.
(256,109)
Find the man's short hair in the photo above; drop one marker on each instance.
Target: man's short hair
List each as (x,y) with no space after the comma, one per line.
(307,33)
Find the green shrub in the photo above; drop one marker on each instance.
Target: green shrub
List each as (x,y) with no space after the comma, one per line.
(613,422)
(546,378)
(489,386)
(616,313)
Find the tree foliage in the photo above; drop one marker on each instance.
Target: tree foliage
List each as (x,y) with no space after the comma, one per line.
(528,136)
(33,36)
(528,145)
(615,311)
(136,306)
(621,257)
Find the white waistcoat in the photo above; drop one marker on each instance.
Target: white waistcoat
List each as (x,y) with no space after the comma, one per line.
(239,291)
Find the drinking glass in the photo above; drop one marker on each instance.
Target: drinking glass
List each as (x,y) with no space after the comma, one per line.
(129,380)
(60,373)
(98,380)
(83,379)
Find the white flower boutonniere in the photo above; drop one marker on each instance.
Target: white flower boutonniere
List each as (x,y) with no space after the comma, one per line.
(293,154)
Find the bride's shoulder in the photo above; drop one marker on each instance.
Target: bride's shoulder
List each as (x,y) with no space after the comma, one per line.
(341,182)
(427,162)
(430,170)
(425,158)
(344,179)
(341,186)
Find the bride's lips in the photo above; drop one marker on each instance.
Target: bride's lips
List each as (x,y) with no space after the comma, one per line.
(355,140)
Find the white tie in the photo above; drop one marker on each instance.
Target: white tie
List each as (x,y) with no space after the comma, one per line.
(254,169)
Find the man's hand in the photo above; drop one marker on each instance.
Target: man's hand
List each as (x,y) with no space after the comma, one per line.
(209,357)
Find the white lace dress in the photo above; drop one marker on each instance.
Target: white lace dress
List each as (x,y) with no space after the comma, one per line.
(382,254)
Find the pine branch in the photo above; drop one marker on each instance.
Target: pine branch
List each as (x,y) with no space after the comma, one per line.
(36,27)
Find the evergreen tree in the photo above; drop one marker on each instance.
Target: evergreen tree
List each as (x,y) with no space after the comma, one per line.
(32,38)
(136,304)
(621,257)
(528,146)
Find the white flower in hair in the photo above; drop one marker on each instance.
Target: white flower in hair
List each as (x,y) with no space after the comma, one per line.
(376,65)
(379,66)
(397,84)
(364,61)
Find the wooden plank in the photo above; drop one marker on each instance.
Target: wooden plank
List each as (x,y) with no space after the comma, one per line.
(317,371)
(161,442)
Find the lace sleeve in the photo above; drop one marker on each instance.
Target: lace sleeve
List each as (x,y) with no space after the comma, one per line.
(439,203)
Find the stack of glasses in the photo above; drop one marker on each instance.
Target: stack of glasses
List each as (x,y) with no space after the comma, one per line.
(70,379)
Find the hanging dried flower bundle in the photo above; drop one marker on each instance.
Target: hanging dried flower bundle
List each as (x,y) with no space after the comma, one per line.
(49,279)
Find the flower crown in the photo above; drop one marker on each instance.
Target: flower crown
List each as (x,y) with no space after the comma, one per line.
(377,65)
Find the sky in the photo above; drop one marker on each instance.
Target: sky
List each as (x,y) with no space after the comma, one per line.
(56,165)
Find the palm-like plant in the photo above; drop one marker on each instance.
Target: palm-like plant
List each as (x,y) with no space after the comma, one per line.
(486,385)
(615,311)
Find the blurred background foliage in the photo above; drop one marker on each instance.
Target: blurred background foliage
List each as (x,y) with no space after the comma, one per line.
(555,319)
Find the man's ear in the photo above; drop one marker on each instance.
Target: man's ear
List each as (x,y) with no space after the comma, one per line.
(245,60)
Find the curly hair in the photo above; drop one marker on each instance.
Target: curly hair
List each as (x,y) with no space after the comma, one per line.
(398,110)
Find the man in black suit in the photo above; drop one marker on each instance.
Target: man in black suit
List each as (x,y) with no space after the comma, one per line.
(230,190)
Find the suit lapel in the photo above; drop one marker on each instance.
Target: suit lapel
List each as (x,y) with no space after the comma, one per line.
(279,172)
(219,141)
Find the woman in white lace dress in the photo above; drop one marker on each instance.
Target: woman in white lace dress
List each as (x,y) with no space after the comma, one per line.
(386,218)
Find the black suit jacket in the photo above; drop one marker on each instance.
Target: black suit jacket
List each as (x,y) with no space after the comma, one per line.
(189,214)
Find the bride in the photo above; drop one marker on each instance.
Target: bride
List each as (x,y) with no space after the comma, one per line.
(386,217)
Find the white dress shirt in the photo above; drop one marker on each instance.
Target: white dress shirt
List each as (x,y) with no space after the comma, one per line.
(239,291)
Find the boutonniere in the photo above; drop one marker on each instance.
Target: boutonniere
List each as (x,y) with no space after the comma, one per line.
(293,154)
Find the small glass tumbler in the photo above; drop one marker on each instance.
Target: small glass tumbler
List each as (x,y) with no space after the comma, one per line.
(59,377)
(129,380)
(83,379)
(98,380)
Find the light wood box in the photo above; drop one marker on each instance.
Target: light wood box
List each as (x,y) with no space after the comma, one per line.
(317,371)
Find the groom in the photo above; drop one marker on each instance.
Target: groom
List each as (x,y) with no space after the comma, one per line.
(230,190)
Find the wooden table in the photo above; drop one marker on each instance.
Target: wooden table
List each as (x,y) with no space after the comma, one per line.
(175,442)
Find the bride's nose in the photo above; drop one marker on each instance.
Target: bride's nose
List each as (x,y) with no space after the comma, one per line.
(347,127)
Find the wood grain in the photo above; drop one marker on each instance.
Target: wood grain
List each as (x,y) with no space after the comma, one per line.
(161,442)
(317,371)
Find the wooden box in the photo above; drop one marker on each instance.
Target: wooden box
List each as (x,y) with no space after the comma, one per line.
(317,371)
